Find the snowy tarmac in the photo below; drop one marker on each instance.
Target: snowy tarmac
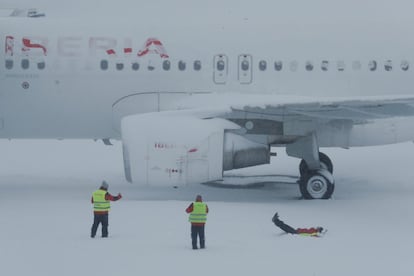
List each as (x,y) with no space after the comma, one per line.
(46,216)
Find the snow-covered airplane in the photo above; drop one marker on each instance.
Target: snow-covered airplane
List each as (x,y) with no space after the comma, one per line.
(189,102)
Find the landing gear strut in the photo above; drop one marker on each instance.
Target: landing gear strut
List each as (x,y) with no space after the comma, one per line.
(316,179)
(325,161)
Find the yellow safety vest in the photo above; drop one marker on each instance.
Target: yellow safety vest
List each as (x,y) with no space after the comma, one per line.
(199,213)
(99,201)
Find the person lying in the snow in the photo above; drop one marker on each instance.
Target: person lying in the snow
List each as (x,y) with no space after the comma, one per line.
(314,231)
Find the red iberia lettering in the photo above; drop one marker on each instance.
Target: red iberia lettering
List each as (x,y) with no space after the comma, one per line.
(153,46)
(28,45)
(9,45)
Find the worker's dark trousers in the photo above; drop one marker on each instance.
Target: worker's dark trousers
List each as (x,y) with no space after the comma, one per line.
(103,219)
(284,226)
(197,231)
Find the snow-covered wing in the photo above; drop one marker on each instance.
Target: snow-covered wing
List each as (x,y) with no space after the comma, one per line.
(338,122)
(279,106)
(355,110)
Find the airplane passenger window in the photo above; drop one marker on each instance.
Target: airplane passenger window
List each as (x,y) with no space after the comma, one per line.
(278,65)
(41,65)
(309,66)
(325,65)
(220,65)
(9,64)
(181,65)
(245,65)
(405,65)
(135,66)
(340,65)
(104,64)
(293,66)
(166,65)
(262,65)
(372,65)
(119,66)
(356,65)
(197,65)
(25,63)
(388,65)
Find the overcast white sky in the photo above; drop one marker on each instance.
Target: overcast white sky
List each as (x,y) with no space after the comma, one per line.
(329,11)
(378,18)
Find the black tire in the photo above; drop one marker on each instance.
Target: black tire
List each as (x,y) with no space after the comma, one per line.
(316,185)
(326,163)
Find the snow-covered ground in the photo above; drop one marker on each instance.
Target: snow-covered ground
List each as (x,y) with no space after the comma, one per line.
(46,215)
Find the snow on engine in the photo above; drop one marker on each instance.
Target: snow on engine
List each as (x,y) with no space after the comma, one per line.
(177,151)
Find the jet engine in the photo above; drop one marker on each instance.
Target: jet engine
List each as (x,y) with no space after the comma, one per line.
(170,150)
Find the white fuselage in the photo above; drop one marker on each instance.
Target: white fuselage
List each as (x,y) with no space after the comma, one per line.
(60,79)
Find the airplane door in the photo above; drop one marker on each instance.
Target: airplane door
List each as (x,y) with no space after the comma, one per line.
(220,69)
(245,69)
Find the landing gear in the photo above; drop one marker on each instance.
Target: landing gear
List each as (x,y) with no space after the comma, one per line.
(317,184)
(316,180)
(325,161)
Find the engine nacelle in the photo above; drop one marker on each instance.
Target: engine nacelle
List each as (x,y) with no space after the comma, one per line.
(180,150)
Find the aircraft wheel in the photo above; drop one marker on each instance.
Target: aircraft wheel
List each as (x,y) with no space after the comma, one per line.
(325,161)
(317,184)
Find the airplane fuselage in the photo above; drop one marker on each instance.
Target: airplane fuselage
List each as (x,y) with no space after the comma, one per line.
(58,80)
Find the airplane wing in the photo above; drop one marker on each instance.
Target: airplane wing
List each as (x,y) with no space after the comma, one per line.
(191,142)
(338,122)
(355,110)
(327,117)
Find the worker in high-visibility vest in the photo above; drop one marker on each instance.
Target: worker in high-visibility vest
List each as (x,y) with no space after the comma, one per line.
(198,216)
(101,205)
